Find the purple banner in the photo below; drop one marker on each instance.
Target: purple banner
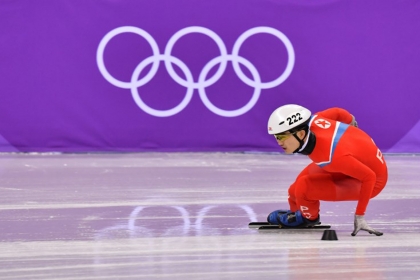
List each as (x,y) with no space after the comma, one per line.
(131,75)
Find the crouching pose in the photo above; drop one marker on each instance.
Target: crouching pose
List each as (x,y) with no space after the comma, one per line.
(346,164)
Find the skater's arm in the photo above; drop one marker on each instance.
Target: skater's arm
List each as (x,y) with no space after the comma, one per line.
(338,114)
(352,167)
(356,169)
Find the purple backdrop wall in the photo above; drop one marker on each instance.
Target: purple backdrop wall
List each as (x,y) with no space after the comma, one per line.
(166,75)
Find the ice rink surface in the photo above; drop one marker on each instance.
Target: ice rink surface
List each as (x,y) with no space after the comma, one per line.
(186,215)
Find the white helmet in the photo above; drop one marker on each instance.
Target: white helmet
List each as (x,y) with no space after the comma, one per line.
(287,117)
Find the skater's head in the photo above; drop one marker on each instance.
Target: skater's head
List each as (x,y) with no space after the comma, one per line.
(287,121)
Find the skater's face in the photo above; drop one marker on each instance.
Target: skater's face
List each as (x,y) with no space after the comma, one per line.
(289,143)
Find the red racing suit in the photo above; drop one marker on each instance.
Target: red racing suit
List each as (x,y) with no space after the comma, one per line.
(346,165)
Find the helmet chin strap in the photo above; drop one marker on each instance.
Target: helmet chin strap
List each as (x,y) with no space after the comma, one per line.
(301,142)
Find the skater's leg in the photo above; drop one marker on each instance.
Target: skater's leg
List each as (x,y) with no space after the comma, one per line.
(310,169)
(316,184)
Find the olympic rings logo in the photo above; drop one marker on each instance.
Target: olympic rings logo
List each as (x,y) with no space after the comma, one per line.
(203,82)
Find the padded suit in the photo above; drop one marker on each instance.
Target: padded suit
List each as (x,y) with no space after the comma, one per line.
(346,165)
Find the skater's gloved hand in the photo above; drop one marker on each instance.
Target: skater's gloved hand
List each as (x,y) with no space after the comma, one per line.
(361,224)
(354,122)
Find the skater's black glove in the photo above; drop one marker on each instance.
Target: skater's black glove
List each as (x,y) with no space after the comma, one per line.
(361,224)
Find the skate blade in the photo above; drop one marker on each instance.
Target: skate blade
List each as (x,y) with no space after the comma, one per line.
(266,225)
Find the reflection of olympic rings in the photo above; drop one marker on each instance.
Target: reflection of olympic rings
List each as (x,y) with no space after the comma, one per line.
(203,213)
(137,210)
(188,82)
(135,228)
